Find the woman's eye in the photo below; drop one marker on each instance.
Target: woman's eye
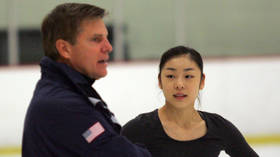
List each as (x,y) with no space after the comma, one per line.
(188,76)
(169,76)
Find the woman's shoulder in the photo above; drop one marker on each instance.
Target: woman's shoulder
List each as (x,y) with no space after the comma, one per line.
(215,119)
(217,124)
(144,120)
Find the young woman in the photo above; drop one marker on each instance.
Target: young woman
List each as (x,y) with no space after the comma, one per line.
(177,129)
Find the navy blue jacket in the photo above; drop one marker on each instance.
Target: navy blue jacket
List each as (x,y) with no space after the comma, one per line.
(67,118)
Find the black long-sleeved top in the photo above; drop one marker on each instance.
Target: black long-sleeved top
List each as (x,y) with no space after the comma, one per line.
(221,135)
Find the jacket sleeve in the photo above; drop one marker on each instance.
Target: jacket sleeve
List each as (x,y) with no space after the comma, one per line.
(75,126)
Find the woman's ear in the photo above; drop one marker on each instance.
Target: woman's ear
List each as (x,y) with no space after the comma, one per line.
(63,48)
(202,82)
(159,82)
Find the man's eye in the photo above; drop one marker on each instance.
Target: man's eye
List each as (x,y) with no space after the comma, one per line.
(97,39)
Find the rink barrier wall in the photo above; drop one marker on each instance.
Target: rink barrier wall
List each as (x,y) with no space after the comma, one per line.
(243,91)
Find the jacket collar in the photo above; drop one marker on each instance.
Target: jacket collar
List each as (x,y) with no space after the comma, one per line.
(49,67)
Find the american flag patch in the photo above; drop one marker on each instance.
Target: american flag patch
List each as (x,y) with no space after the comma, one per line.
(94,131)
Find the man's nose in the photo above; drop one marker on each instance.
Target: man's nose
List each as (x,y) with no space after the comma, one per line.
(107,47)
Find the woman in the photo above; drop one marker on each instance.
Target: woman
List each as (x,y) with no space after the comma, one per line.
(177,129)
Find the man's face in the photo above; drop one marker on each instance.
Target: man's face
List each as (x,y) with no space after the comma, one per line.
(90,53)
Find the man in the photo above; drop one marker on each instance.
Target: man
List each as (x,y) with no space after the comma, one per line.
(67,117)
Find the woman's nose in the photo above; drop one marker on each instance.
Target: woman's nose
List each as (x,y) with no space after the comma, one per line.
(179,84)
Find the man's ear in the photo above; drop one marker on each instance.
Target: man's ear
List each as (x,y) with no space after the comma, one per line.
(63,48)
(202,82)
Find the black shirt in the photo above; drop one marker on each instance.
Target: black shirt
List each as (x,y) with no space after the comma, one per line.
(221,135)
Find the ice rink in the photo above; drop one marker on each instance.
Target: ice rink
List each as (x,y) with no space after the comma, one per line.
(262,150)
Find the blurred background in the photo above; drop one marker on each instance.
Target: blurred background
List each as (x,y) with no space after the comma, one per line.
(239,41)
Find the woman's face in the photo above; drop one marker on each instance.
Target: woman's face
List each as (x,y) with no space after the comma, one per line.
(180,81)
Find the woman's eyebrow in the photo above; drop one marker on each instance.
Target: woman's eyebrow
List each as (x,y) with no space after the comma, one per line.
(188,69)
(173,69)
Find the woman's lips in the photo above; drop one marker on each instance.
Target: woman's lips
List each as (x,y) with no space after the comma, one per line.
(180,96)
